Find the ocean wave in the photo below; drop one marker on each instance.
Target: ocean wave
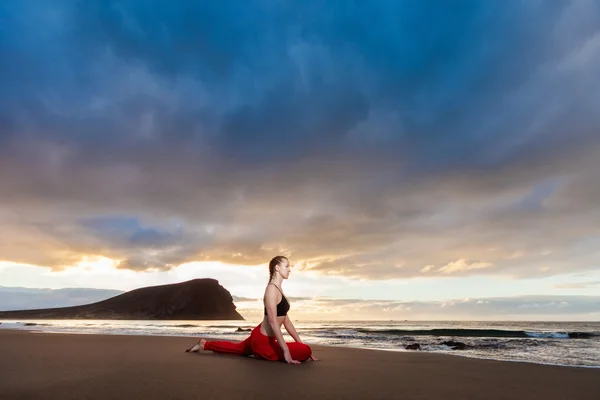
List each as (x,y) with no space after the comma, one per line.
(184,326)
(498,333)
(231,326)
(332,333)
(550,335)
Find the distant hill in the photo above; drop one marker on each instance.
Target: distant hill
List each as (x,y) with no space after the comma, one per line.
(22,298)
(198,299)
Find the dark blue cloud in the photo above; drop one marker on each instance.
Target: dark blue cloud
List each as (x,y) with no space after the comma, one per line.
(278,81)
(311,126)
(128,232)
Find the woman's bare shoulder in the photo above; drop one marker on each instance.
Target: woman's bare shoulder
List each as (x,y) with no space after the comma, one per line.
(271,291)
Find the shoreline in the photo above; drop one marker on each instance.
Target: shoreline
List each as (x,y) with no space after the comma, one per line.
(457,354)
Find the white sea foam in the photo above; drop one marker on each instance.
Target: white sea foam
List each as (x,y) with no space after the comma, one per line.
(554,335)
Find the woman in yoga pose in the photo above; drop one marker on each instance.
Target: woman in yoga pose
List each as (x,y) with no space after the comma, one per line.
(266,340)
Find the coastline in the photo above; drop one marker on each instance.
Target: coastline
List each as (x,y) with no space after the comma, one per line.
(50,329)
(66,365)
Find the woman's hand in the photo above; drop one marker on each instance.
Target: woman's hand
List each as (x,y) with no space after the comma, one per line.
(312,357)
(289,359)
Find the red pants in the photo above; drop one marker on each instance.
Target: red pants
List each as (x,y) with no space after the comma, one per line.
(261,346)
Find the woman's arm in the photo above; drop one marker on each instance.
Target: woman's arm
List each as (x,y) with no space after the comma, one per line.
(289,327)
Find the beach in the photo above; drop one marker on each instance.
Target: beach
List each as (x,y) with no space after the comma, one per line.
(38,365)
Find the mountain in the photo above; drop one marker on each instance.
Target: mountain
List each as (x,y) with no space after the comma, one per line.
(197,299)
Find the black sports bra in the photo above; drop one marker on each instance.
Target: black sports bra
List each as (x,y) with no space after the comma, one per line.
(283,307)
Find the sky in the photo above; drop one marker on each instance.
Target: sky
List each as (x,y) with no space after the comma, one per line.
(413,159)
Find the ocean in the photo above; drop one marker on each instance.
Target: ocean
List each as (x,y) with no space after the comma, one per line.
(557,343)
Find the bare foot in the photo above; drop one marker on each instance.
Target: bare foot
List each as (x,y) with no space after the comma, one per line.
(198,346)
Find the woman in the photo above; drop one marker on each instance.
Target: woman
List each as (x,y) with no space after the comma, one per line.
(266,340)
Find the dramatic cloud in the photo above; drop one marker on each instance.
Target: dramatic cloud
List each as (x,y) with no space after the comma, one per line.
(375,140)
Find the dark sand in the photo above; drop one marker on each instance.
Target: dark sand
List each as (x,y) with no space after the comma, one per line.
(63,366)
